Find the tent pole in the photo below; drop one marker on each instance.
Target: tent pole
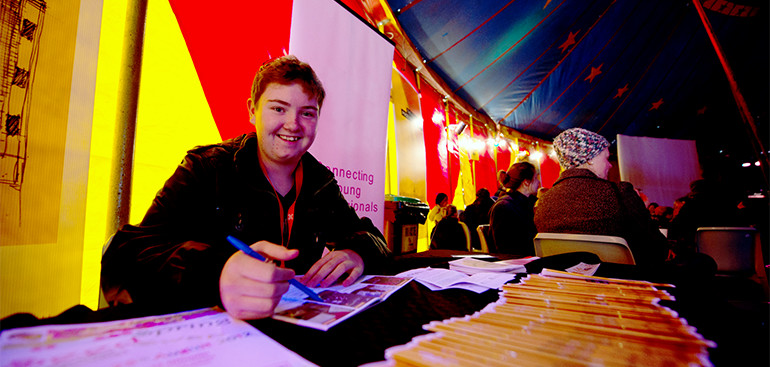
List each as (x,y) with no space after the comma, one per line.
(743,108)
(119,202)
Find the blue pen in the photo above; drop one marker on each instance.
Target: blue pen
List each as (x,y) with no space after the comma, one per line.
(248,251)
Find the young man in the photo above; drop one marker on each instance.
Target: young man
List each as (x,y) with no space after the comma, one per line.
(262,188)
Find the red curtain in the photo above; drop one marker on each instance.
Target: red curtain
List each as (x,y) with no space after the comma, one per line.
(503,160)
(226,75)
(453,154)
(434,133)
(549,171)
(486,176)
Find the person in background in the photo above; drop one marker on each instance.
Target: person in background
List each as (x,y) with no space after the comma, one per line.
(449,233)
(438,212)
(708,204)
(662,216)
(582,200)
(512,225)
(540,193)
(651,208)
(678,203)
(263,188)
(477,213)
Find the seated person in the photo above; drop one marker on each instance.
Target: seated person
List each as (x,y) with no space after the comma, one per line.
(449,233)
(477,213)
(438,212)
(652,207)
(512,225)
(708,204)
(582,200)
(662,216)
(263,188)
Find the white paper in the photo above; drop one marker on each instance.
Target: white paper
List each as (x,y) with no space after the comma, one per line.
(439,279)
(472,266)
(206,337)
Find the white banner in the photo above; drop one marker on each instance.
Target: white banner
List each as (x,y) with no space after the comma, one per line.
(661,168)
(354,65)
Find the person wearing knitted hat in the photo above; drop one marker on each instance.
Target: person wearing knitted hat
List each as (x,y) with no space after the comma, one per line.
(580,148)
(582,200)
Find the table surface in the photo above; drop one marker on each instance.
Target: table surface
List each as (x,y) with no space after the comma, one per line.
(733,313)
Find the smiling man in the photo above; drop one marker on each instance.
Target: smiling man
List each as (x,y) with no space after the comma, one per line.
(265,189)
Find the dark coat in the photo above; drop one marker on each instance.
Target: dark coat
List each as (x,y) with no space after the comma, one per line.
(176,254)
(476,214)
(512,225)
(581,202)
(449,235)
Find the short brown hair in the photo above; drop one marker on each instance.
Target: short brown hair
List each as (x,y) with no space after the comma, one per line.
(286,70)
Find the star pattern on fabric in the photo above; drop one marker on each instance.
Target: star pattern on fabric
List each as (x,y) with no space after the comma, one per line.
(702,110)
(656,105)
(621,91)
(290,217)
(569,42)
(594,72)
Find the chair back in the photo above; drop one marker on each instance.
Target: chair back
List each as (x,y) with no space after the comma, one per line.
(609,248)
(482,230)
(467,235)
(731,247)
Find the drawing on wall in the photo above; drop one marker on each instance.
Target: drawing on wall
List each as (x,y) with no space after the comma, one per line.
(21,22)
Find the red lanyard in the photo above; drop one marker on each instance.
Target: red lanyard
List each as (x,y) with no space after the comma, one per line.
(290,215)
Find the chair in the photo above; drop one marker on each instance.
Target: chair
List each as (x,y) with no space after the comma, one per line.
(733,248)
(482,230)
(609,248)
(467,235)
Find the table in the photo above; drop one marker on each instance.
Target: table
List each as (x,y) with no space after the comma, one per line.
(726,311)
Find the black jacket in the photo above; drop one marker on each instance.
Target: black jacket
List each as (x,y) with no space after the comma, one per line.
(176,254)
(512,225)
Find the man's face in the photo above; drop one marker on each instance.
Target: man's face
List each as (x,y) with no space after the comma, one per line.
(285,119)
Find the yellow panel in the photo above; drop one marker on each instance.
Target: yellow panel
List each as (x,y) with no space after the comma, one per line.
(173,117)
(391,176)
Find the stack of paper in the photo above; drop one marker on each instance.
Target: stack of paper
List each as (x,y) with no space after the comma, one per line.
(563,319)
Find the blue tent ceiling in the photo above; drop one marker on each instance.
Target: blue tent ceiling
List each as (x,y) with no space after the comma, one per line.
(632,67)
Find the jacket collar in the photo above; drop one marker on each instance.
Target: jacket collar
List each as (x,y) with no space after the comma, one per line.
(246,164)
(577,173)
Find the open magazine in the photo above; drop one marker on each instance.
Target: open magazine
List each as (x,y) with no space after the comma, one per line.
(339,303)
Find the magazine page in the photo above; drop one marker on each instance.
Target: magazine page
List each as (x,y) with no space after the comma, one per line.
(339,303)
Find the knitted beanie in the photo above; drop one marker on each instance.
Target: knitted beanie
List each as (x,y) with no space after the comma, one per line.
(577,146)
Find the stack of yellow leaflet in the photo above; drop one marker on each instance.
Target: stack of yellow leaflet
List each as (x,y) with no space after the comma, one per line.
(559,319)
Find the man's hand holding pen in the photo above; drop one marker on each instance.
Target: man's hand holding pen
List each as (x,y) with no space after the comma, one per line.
(250,288)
